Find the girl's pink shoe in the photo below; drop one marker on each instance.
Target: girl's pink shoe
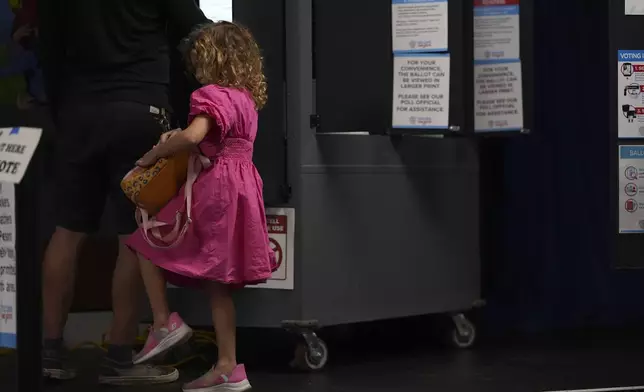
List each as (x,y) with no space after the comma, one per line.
(175,333)
(237,381)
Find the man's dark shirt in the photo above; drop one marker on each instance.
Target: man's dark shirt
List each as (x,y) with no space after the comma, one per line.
(112,50)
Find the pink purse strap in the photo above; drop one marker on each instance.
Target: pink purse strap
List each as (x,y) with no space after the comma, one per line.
(196,164)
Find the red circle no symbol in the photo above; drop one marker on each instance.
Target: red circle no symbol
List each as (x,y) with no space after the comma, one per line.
(279,254)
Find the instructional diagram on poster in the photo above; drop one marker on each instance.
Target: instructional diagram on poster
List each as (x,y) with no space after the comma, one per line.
(630,93)
(496,30)
(631,189)
(281,235)
(419,25)
(7,265)
(421,91)
(498,97)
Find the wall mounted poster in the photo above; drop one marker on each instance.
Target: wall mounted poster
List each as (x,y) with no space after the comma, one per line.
(281,235)
(498,97)
(634,7)
(631,189)
(7,266)
(630,93)
(421,91)
(496,30)
(419,25)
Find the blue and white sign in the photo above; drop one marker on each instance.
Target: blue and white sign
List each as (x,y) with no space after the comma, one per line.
(631,189)
(498,97)
(630,93)
(496,30)
(17,147)
(419,25)
(498,85)
(7,265)
(421,91)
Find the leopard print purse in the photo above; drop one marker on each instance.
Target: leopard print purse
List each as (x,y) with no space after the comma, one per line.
(153,187)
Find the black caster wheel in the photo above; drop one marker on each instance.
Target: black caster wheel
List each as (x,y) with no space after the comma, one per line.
(463,334)
(312,356)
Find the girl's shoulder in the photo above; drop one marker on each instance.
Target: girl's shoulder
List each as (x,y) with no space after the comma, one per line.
(217,95)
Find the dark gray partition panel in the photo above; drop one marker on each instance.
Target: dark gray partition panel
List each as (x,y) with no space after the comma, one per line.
(265,19)
(354,68)
(626,33)
(389,225)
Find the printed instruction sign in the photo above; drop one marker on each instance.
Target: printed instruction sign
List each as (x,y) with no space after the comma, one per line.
(496,30)
(631,189)
(7,265)
(421,91)
(630,94)
(419,25)
(281,235)
(17,147)
(634,7)
(498,97)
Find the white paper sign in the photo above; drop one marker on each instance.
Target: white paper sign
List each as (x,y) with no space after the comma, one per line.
(634,7)
(498,97)
(7,265)
(630,93)
(496,30)
(216,10)
(421,91)
(631,189)
(419,25)
(281,234)
(17,147)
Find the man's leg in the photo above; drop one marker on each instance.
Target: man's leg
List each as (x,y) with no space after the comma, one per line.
(59,274)
(134,132)
(80,194)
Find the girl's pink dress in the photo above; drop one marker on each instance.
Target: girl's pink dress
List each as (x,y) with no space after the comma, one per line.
(227,241)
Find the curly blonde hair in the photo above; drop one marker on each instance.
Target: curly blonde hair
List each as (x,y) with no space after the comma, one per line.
(226,54)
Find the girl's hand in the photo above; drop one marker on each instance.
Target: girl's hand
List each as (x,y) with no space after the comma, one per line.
(149,159)
(166,136)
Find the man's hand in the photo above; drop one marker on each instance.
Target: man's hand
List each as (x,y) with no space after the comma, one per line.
(149,159)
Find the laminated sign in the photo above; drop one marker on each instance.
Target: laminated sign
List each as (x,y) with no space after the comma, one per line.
(630,93)
(419,25)
(631,189)
(281,235)
(17,147)
(7,265)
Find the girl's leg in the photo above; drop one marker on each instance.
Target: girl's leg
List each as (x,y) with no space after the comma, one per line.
(155,286)
(168,330)
(226,375)
(223,317)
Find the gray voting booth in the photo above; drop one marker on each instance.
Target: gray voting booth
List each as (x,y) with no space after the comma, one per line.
(387,223)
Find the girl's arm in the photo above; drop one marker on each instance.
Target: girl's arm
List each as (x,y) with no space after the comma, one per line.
(181,141)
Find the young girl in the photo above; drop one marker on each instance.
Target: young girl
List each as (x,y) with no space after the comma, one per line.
(226,245)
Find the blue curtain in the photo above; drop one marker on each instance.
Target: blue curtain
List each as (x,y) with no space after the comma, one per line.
(554,265)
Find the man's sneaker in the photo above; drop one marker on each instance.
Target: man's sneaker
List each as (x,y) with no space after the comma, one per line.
(175,333)
(237,381)
(113,373)
(54,365)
